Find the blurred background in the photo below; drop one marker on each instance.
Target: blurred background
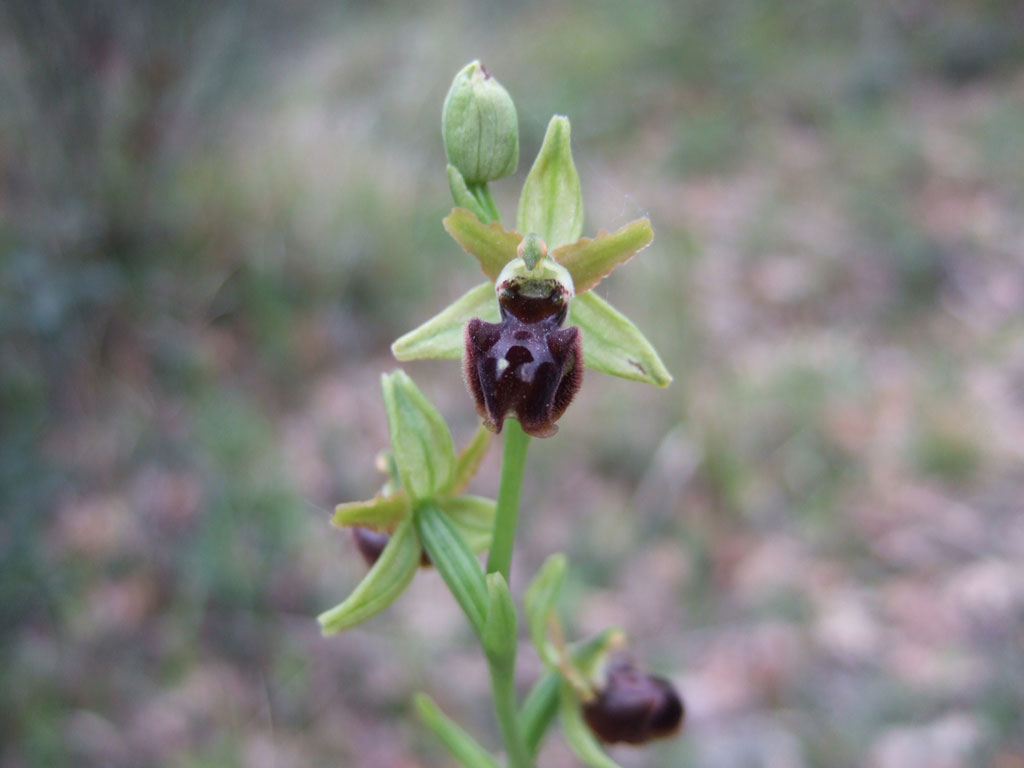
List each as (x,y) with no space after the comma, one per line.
(214,219)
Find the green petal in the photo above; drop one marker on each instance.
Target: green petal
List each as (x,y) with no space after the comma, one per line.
(441,337)
(539,602)
(455,562)
(463,746)
(591,260)
(551,203)
(468,461)
(473,516)
(382,513)
(579,737)
(612,344)
(423,447)
(381,586)
(492,244)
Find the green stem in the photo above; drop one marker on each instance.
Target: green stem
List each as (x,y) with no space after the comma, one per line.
(506,709)
(513,463)
(482,194)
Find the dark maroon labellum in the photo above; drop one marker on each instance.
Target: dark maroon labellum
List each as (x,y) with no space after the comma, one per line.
(371,543)
(526,365)
(634,708)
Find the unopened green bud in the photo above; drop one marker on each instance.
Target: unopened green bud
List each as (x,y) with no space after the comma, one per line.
(480,127)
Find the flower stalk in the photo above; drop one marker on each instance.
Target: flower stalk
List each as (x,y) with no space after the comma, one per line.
(513,469)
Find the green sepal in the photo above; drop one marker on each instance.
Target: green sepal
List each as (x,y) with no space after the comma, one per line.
(539,602)
(590,260)
(423,447)
(612,344)
(381,513)
(463,747)
(491,244)
(501,630)
(578,736)
(468,461)
(463,197)
(551,203)
(541,704)
(473,516)
(442,336)
(381,585)
(455,562)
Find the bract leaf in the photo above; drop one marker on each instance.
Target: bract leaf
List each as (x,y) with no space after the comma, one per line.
(463,746)
(455,562)
(423,447)
(612,344)
(468,461)
(538,710)
(461,194)
(590,260)
(491,244)
(578,736)
(381,513)
(381,585)
(473,516)
(539,602)
(551,203)
(501,629)
(441,337)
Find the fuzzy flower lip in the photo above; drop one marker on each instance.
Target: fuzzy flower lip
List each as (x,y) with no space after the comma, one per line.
(632,707)
(527,364)
(611,343)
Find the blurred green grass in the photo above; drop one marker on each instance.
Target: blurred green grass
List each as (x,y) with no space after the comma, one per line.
(214,218)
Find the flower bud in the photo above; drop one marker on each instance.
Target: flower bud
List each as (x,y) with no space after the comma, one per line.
(480,127)
(633,707)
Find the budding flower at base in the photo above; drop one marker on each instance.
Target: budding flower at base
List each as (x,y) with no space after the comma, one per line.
(371,543)
(526,365)
(633,707)
(480,126)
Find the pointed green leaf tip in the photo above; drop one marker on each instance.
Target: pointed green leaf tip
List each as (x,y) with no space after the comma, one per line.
(463,746)
(613,344)
(552,203)
(442,336)
(423,447)
(381,586)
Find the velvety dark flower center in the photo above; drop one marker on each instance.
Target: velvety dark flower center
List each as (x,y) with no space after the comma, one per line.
(634,708)
(526,365)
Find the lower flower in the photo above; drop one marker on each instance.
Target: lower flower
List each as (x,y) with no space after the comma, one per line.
(633,707)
